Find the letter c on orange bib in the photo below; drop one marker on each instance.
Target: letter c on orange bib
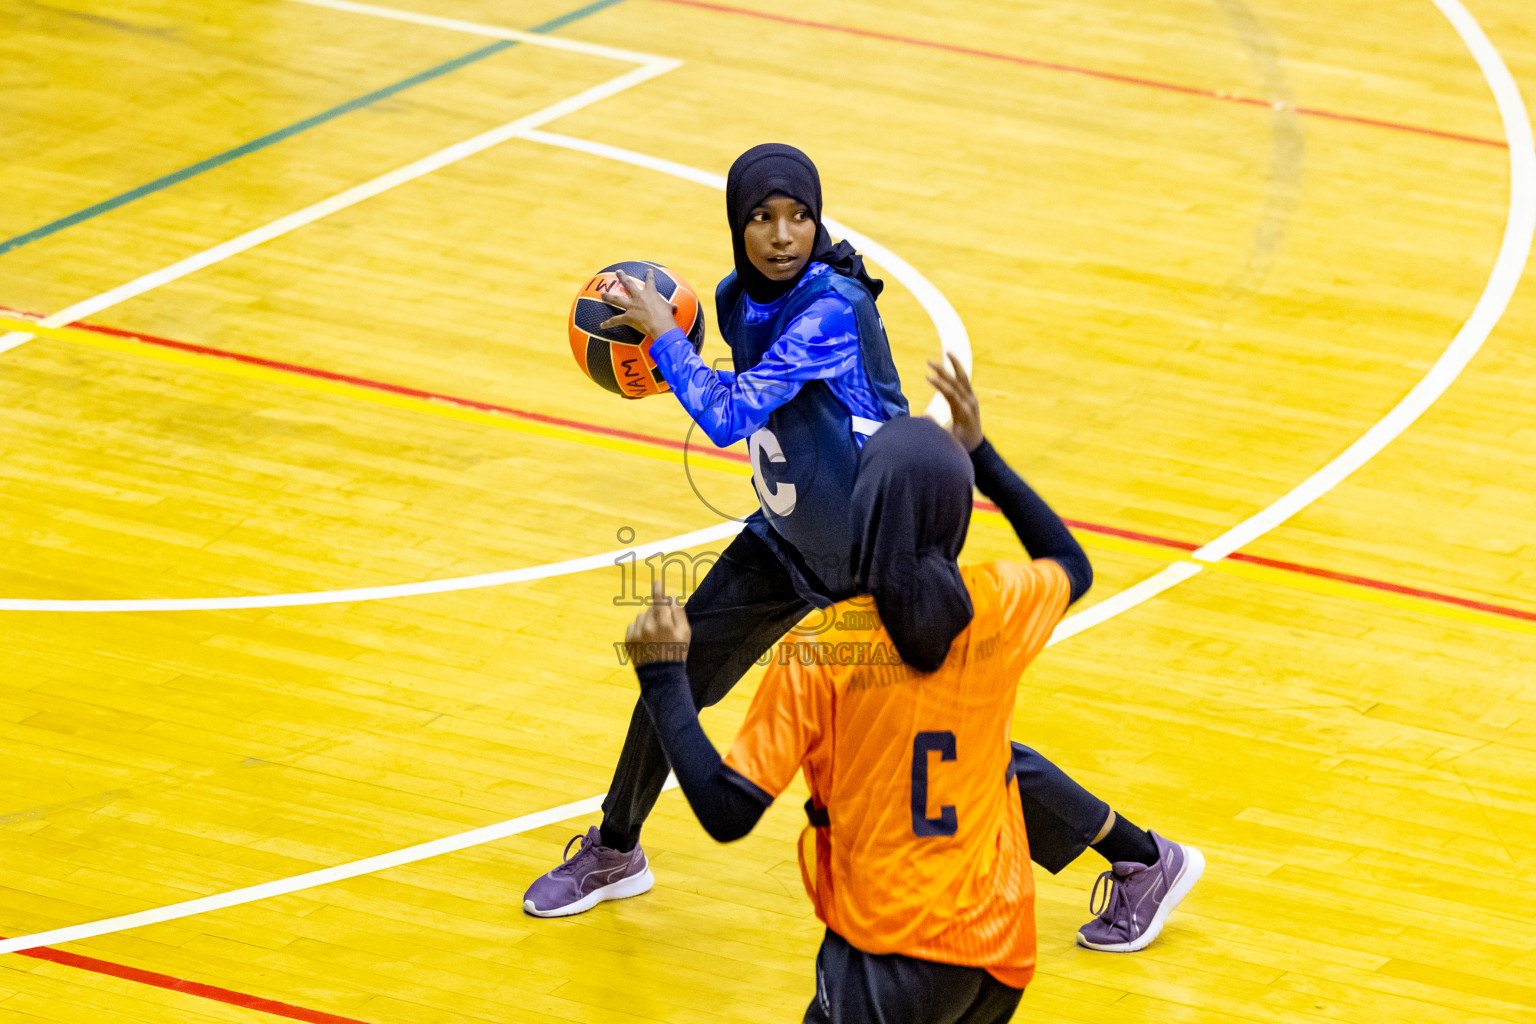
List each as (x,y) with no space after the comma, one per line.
(619,358)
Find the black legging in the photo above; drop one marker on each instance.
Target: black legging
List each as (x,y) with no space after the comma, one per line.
(855,987)
(743,606)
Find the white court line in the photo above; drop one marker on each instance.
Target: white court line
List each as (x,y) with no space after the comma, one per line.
(585,563)
(475,28)
(650,68)
(1519,231)
(310,879)
(1169,576)
(351,197)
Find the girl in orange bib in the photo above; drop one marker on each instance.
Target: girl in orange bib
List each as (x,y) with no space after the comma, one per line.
(921,866)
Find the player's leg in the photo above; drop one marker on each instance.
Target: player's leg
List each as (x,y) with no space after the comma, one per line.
(1148,874)
(994,1003)
(744,604)
(853,987)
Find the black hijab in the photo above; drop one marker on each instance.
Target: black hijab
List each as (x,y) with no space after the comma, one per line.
(911,508)
(771,169)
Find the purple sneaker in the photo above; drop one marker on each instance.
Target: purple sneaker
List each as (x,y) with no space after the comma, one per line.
(1140,897)
(595,874)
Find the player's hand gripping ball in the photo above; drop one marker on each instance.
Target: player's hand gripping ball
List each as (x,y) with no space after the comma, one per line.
(618,356)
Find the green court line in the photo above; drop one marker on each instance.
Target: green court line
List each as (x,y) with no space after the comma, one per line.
(556,24)
(272,138)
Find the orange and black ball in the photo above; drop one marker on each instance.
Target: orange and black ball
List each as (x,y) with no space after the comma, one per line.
(619,358)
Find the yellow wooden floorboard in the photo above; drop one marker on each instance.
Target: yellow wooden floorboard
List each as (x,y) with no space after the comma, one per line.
(306,168)
(31,990)
(278,540)
(185,82)
(1179,308)
(1136,295)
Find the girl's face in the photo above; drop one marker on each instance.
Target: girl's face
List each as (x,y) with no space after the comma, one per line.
(778,237)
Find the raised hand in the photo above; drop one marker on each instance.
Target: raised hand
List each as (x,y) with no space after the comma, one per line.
(964,410)
(661,632)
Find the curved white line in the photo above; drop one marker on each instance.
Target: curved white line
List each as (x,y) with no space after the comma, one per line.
(310,879)
(1519,232)
(585,563)
(1169,576)
(1521,225)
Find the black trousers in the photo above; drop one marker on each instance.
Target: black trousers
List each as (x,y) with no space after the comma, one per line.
(743,606)
(854,987)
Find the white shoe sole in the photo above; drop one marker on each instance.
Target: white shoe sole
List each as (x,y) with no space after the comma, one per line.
(1194,867)
(624,888)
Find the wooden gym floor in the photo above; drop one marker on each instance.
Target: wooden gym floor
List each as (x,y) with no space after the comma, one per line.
(1201,248)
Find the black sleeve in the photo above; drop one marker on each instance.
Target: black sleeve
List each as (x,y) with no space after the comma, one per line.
(727,803)
(1040,530)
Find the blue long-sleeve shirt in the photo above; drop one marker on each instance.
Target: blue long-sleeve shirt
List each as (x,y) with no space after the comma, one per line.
(821,343)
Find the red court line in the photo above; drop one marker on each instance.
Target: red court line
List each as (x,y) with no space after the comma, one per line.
(1296,567)
(1390,588)
(1115,531)
(393,389)
(1305,570)
(1108,76)
(191,988)
(380,386)
(397,389)
(469,403)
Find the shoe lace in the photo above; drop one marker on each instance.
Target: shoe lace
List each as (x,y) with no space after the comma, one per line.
(567,860)
(1115,897)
